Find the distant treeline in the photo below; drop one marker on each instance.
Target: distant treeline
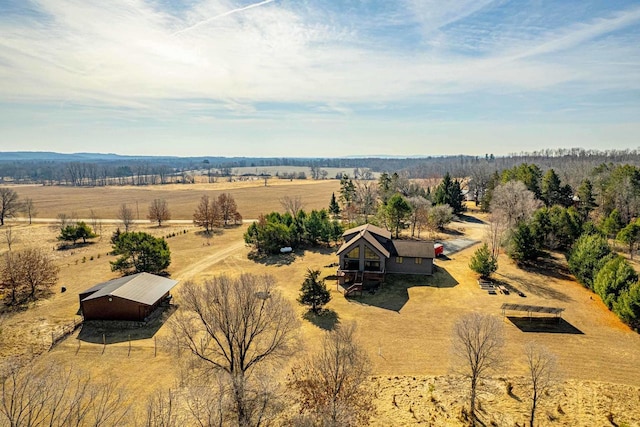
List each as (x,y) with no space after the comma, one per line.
(87,169)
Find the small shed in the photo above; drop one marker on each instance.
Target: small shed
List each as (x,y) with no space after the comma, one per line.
(132,297)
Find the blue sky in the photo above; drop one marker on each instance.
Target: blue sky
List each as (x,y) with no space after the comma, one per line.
(318,78)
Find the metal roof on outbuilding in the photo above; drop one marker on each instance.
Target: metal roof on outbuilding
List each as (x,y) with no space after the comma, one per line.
(532,308)
(144,288)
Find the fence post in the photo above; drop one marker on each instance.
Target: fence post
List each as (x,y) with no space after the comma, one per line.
(104,343)
(155,346)
(129,354)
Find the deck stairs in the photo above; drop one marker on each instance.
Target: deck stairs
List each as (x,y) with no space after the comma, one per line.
(356,286)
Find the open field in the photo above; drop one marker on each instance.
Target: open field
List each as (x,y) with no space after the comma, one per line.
(405,327)
(252,197)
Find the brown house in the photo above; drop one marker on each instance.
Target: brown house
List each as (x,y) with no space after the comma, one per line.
(369,253)
(126,298)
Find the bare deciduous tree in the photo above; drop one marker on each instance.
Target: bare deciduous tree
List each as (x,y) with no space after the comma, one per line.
(96,222)
(9,204)
(495,233)
(9,237)
(28,271)
(514,203)
(159,211)
(234,326)
(228,208)
(207,214)
(477,341)
(366,197)
(292,205)
(125,214)
(542,374)
(38,270)
(331,384)
(58,396)
(29,208)
(419,214)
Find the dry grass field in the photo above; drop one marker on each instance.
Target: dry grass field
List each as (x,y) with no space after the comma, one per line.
(252,197)
(405,327)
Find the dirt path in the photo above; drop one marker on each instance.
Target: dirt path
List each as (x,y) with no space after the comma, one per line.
(199,266)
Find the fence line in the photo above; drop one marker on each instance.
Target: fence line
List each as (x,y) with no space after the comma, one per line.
(67,330)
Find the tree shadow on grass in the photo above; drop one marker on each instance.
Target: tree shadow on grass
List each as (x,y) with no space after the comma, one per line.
(548,266)
(327,319)
(538,286)
(549,325)
(394,294)
(469,218)
(119,331)
(278,260)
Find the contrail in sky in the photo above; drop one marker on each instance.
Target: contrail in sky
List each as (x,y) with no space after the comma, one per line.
(222,15)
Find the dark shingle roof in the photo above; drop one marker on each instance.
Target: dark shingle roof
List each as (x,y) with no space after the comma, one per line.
(144,288)
(413,248)
(370,228)
(364,234)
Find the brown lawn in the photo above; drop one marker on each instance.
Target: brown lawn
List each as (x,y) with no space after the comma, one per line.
(405,327)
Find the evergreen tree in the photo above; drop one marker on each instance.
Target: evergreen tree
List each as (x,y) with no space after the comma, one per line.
(334,207)
(483,262)
(313,292)
(449,193)
(614,277)
(590,252)
(612,225)
(551,190)
(630,235)
(523,246)
(627,306)
(140,252)
(586,199)
(396,212)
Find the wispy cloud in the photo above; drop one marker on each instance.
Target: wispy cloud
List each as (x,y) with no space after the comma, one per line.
(138,59)
(222,15)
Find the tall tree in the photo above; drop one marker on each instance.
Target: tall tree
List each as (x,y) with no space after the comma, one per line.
(159,211)
(477,343)
(541,364)
(313,292)
(28,272)
(615,276)
(397,211)
(334,207)
(207,214)
(236,326)
(589,253)
(228,208)
(140,252)
(586,199)
(449,193)
(293,205)
(347,191)
(29,209)
(125,215)
(331,385)
(514,203)
(612,224)
(528,174)
(551,189)
(9,204)
(630,235)
(627,306)
(523,245)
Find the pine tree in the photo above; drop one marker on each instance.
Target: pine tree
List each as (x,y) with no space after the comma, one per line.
(483,262)
(334,207)
(313,292)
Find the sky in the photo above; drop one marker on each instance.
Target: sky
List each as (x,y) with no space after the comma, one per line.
(323,78)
